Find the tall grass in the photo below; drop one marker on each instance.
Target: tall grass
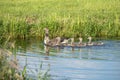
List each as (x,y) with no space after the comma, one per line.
(27,18)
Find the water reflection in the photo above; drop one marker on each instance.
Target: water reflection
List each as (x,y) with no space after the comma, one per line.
(58,49)
(89,54)
(47,50)
(80,53)
(72,49)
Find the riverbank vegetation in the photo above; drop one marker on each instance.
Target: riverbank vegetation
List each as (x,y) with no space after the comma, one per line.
(10,69)
(67,18)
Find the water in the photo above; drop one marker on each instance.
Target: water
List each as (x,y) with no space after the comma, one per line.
(90,63)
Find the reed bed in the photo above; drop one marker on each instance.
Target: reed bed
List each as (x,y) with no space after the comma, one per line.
(67,18)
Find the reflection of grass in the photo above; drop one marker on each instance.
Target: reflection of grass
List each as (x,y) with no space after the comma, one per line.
(27,18)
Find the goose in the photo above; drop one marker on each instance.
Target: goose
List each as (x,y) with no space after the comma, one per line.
(73,44)
(52,42)
(98,43)
(90,43)
(65,42)
(80,42)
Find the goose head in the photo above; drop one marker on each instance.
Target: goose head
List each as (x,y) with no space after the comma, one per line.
(46,30)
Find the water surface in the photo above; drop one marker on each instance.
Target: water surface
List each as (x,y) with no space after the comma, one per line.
(90,63)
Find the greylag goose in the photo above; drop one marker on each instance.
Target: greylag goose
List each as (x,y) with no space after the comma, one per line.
(90,43)
(72,44)
(65,42)
(52,42)
(81,43)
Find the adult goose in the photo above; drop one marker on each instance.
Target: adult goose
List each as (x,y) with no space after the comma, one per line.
(52,42)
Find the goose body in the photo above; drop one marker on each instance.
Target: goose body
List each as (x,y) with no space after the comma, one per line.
(52,42)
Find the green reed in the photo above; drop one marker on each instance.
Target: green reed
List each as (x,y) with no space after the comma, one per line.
(68,18)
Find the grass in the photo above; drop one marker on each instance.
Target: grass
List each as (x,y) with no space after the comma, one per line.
(67,18)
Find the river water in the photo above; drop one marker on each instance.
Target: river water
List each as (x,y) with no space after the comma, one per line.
(89,63)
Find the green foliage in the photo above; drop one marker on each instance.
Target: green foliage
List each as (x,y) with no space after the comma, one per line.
(27,18)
